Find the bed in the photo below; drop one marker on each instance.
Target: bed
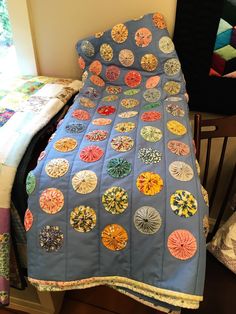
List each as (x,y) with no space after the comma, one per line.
(27,104)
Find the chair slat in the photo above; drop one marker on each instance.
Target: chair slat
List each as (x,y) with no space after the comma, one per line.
(208,155)
(218,173)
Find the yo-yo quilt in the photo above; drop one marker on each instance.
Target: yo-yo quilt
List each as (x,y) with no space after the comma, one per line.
(116,198)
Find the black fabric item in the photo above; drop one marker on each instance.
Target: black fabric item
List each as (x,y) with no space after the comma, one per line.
(29,160)
(194,37)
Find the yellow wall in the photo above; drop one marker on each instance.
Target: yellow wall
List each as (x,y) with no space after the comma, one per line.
(58,24)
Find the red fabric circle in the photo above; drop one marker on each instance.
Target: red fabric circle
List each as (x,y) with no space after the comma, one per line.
(95,67)
(91,153)
(28,220)
(81,63)
(153,81)
(81,114)
(96,80)
(112,73)
(106,110)
(151,116)
(133,78)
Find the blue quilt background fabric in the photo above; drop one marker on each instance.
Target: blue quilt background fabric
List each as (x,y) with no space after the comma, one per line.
(116,198)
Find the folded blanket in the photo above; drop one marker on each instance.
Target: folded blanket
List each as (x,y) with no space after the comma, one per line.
(26,105)
(116,199)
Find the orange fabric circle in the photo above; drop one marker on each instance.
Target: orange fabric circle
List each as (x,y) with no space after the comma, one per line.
(96,80)
(95,67)
(133,78)
(114,237)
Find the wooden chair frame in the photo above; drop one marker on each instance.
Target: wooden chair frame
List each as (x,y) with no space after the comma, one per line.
(219,128)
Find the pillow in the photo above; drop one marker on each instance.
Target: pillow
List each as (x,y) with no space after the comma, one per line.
(223,245)
(224,55)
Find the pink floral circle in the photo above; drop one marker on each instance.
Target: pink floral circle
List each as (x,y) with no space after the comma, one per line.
(182,244)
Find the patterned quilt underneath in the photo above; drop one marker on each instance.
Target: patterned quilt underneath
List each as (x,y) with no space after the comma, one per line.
(26,105)
(115,198)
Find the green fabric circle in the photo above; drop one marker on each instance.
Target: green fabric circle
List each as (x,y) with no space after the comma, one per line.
(118,168)
(30,183)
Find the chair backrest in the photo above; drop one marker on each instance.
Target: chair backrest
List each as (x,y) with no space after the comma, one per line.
(210,129)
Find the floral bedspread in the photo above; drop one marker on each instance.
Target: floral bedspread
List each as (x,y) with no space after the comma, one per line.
(115,198)
(26,105)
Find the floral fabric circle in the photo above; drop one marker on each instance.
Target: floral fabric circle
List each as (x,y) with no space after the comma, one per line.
(113,89)
(127,114)
(96,80)
(30,183)
(158,20)
(182,244)
(106,52)
(133,78)
(81,62)
(115,200)
(151,116)
(149,183)
(42,155)
(183,203)
(149,155)
(176,127)
(91,153)
(57,167)
(86,102)
(125,126)
(65,144)
(114,237)
(119,168)
(122,143)
(198,167)
(28,219)
(84,181)
(87,48)
(106,110)
(172,66)
(110,98)
(126,57)
(51,200)
(98,34)
(178,148)
(206,225)
(51,238)
(112,73)
(152,95)
(172,87)
(75,128)
(119,33)
(151,106)
(129,103)
(147,220)
(101,121)
(175,110)
(181,171)
(151,133)
(152,81)
(149,62)
(166,45)
(84,76)
(205,195)
(81,114)
(143,37)
(95,67)
(131,92)
(91,92)
(83,218)
(96,135)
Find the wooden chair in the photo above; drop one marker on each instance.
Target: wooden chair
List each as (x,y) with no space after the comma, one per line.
(220,284)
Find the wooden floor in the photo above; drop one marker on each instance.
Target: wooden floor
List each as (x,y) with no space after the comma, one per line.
(102,300)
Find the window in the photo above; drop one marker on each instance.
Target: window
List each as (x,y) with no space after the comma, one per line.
(8,60)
